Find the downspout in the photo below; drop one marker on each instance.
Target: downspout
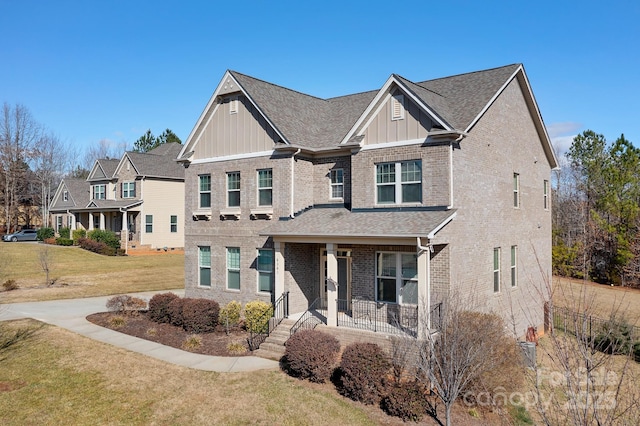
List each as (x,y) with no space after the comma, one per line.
(292,181)
(450,206)
(426,251)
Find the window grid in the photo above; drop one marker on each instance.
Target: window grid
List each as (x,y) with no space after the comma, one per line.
(99,192)
(128,189)
(407,190)
(233,268)
(546,194)
(337,183)
(148,224)
(514,263)
(397,278)
(174,223)
(496,270)
(204,266)
(516,190)
(233,189)
(265,270)
(265,187)
(205,191)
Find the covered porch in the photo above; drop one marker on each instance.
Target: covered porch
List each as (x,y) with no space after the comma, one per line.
(362,270)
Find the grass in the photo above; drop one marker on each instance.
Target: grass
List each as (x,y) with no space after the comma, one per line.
(57,377)
(79,273)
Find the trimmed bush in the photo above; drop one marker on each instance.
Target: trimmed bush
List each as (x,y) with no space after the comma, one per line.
(44,233)
(363,372)
(230,314)
(79,233)
(125,303)
(64,241)
(406,400)
(65,232)
(158,307)
(91,245)
(50,241)
(199,315)
(257,315)
(174,310)
(311,354)
(104,236)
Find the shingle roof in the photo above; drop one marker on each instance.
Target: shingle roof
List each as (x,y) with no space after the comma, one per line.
(112,204)
(159,162)
(79,191)
(341,222)
(322,123)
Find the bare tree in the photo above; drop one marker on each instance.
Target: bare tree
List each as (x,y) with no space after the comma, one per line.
(46,259)
(104,148)
(48,159)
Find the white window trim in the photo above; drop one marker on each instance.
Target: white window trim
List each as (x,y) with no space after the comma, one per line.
(171,223)
(229,191)
(514,266)
(200,191)
(398,278)
(148,223)
(228,269)
(546,194)
(259,188)
(496,272)
(333,184)
(95,192)
(398,184)
(201,266)
(65,196)
(516,190)
(260,271)
(131,188)
(397,107)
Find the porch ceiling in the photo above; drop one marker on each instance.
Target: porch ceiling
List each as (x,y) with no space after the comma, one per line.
(332,223)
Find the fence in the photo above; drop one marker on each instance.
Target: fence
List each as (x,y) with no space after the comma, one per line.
(589,326)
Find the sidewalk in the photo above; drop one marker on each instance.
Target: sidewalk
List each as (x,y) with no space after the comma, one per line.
(71,314)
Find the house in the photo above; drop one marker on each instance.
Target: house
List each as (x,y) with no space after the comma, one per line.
(140,197)
(366,210)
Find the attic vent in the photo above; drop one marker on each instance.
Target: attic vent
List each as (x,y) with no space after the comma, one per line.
(233,105)
(397,107)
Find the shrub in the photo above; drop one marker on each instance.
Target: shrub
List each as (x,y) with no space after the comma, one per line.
(117,321)
(174,310)
(199,315)
(65,232)
(91,245)
(125,303)
(64,241)
(406,400)
(311,354)
(363,371)
(158,307)
(104,236)
(230,314)
(257,315)
(9,285)
(79,233)
(51,241)
(236,348)
(614,338)
(192,342)
(636,351)
(44,233)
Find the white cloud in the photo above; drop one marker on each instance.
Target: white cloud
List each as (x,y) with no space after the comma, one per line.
(563,129)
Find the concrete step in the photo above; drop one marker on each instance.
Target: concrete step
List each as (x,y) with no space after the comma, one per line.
(273,347)
(267,354)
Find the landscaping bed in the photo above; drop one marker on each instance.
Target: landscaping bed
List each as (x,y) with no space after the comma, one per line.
(216,343)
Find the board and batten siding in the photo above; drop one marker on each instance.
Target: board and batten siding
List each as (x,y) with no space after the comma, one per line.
(242,132)
(162,199)
(415,124)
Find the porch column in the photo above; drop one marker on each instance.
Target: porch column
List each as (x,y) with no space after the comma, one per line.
(124,232)
(102,221)
(332,285)
(424,292)
(73,221)
(278,253)
(90,221)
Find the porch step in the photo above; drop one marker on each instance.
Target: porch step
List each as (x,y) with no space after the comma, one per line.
(273,346)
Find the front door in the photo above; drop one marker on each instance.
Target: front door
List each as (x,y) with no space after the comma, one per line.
(344,280)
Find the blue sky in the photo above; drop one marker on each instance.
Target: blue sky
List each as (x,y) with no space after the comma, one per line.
(92,70)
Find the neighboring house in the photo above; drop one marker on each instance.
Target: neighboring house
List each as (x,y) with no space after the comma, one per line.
(140,197)
(370,208)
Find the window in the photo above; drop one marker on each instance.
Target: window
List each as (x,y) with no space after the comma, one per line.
(516,190)
(174,223)
(99,192)
(205,191)
(397,278)
(233,268)
(265,270)
(128,189)
(65,196)
(546,194)
(514,262)
(59,223)
(265,188)
(233,189)
(337,183)
(407,190)
(69,221)
(496,269)
(397,107)
(148,223)
(204,266)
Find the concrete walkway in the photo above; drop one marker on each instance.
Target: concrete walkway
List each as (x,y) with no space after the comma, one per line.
(71,314)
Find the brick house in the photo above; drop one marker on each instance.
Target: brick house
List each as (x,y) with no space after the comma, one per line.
(367,209)
(138,196)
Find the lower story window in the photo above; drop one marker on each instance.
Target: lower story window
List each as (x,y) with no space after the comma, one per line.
(204,266)
(148,223)
(265,270)
(397,278)
(233,268)
(496,269)
(174,223)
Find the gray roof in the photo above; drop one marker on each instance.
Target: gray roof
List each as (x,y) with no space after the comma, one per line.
(111,204)
(341,222)
(109,166)
(159,162)
(322,123)
(79,194)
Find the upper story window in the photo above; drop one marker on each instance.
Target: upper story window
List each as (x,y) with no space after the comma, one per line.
(65,196)
(397,107)
(516,190)
(205,191)
(99,192)
(407,189)
(337,183)
(265,187)
(546,194)
(128,189)
(233,189)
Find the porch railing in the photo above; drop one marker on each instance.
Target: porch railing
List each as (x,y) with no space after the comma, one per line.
(270,320)
(367,314)
(310,319)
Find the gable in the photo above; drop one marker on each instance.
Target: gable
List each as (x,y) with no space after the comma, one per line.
(96,172)
(234,127)
(398,118)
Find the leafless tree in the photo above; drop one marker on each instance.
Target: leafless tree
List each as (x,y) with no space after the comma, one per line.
(46,258)
(104,148)
(48,161)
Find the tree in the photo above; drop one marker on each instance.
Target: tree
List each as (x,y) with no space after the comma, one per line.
(49,160)
(148,141)
(104,148)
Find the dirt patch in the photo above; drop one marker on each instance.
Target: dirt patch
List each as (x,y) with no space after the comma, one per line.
(9,386)
(216,343)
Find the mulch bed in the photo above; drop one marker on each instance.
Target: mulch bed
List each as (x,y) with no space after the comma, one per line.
(139,325)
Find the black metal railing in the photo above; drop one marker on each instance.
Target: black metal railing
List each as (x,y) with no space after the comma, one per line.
(366,314)
(269,320)
(310,319)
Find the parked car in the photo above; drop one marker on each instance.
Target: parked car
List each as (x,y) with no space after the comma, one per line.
(24,235)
